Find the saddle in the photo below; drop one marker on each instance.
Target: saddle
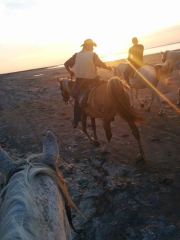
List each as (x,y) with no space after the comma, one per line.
(85,93)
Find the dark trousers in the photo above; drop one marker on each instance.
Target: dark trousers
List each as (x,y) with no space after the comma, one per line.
(77,111)
(80,85)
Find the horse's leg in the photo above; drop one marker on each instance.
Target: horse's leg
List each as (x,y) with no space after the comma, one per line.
(84,121)
(132,100)
(141,156)
(178,99)
(93,123)
(161,113)
(140,103)
(150,104)
(107,128)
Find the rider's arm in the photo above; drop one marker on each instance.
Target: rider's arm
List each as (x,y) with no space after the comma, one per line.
(99,63)
(69,64)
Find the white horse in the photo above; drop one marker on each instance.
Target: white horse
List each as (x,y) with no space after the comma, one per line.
(34,198)
(174,57)
(147,76)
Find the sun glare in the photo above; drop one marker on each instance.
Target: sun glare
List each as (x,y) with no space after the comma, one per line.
(33,25)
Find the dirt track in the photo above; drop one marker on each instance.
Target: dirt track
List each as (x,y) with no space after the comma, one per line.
(120,199)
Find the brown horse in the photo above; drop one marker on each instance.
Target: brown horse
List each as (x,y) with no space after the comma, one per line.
(106,101)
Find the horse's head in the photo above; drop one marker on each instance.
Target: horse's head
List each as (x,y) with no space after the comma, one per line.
(164,68)
(65,88)
(50,155)
(164,54)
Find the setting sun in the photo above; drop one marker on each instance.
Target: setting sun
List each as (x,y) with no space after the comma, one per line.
(38,33)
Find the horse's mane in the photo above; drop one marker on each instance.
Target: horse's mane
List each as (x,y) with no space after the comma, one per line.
(19,192)
(123,82)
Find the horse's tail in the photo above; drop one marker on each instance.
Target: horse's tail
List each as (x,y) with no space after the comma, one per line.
(121,101)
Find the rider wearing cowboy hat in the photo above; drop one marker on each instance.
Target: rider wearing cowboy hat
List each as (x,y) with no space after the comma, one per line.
(85,63)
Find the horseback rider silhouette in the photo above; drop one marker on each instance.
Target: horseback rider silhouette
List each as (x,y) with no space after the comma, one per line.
(135,58)
(85,63)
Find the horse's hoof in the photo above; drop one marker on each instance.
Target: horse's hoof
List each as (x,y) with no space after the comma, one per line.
(96,143)
(142,105)
(160,113)
(140,159)
(103,151)
(148,109)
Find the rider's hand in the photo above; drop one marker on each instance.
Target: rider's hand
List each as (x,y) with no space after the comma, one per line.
(109,68)
(71,73)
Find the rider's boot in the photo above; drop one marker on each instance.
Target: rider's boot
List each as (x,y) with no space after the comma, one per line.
(74,123)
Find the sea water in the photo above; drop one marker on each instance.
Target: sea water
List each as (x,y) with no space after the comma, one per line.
(148,51)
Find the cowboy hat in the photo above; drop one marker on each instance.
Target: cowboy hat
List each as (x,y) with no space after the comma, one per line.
(89,41)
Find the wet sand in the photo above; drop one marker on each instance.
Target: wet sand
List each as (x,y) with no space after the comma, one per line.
(120,199)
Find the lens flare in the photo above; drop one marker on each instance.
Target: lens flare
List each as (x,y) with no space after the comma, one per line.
(155,89)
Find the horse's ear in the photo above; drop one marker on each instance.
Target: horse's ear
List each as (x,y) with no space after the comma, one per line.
(50,148)
(6,163)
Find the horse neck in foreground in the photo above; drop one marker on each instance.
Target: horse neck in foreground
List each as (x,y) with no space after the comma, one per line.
(33,200)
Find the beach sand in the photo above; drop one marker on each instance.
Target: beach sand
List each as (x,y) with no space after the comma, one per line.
(120,199)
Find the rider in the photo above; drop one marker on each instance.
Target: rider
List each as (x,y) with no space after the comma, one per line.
(135,58)
(85,63)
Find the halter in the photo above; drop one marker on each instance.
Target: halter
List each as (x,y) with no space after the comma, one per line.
(17,169)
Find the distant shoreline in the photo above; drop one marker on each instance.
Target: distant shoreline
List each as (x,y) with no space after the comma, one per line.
(60,66)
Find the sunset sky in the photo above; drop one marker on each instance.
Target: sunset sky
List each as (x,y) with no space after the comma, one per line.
(39,33)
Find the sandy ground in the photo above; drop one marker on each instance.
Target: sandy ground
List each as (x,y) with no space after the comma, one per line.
(120,199)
